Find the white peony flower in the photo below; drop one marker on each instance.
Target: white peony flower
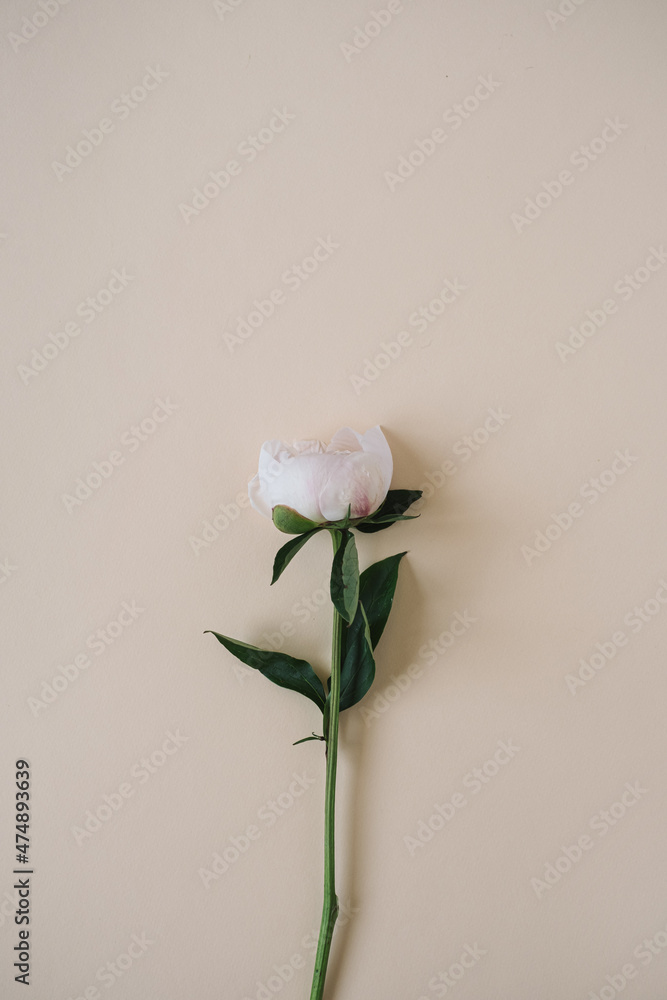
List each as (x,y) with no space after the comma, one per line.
(321,483)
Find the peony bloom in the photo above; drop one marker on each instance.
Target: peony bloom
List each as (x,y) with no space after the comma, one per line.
(321,483)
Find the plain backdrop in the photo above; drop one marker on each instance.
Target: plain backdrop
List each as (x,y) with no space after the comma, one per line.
(227,222)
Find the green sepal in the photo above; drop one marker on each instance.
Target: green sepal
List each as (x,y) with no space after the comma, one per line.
(290,521)
(285,554)
(345,576)
(347,520)
(282,669)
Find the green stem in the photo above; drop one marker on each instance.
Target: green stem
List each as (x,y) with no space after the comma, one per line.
(330,907)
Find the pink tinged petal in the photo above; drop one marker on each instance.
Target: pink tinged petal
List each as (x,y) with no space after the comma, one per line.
(356,481)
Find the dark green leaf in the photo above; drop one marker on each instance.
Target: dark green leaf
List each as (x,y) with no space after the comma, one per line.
(358,666)
(282,669)
(345,576)
(398,501)
(377,585)
(395,504)
(376,591)
(285,555)
(384,522)
(396,517)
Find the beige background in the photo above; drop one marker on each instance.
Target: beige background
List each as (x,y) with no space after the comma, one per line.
(537,86)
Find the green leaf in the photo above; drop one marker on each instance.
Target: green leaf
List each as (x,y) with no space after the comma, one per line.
(290,521)
(398,501)
(306,738)
(358,666)
(285,554)
(345,576)
(385,522)
(282,669)
(395,504)
(377,585)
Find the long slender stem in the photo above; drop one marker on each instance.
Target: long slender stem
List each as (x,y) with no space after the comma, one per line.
(330,907)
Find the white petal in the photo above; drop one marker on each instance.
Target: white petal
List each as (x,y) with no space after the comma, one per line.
(258,496)
(273,452)
(345,440)
(300,483)
(375,443)
(307,447)
(272,456)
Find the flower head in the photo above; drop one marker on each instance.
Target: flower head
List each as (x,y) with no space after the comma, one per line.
(352,473)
